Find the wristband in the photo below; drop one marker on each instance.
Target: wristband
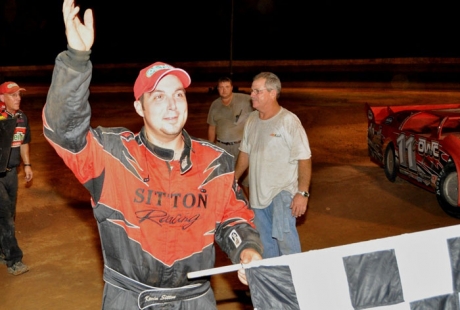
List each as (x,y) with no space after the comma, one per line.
(27,165)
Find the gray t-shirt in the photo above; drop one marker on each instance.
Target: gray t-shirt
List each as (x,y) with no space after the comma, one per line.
(229,120)
(274,147)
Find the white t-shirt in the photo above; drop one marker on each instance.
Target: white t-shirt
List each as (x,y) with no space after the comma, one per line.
(274,147)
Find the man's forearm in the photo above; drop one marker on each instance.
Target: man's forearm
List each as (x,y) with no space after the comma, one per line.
(242,164)
(67,113)
(24,149)
(212,133)
(304,177)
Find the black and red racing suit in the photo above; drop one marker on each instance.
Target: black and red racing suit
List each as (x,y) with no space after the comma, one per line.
(157,218)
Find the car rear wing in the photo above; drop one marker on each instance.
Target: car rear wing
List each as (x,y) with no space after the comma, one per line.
(377,114)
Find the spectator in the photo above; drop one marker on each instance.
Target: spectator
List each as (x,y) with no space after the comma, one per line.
(10,253)
(276,149)
(226,118)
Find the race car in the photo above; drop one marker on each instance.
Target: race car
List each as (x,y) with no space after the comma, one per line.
(420,144)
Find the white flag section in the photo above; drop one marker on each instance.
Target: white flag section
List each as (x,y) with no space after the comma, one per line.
(408,272)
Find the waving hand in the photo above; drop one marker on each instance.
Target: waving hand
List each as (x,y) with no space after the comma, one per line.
(80,36)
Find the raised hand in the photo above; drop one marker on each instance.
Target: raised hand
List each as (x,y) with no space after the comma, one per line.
(80,36)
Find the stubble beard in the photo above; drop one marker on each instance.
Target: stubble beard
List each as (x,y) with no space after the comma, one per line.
(171,130)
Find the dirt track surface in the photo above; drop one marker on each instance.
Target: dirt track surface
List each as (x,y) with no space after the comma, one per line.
(351,200)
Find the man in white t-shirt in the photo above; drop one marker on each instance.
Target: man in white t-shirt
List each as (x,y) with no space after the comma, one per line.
(275,147)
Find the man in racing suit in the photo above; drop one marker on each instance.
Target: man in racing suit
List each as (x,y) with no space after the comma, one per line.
(160,197)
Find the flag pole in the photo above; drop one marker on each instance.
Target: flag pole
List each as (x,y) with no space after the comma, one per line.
(224,269)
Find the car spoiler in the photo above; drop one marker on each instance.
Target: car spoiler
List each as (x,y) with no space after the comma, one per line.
(378,113)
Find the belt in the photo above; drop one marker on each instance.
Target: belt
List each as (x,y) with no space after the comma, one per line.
(229,143)
(149,295)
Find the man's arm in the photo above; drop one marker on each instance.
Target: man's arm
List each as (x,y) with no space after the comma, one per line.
(212,133)
(24,149)
(247,256)
(299,202)
(236,234)
(242,164)
(67,113)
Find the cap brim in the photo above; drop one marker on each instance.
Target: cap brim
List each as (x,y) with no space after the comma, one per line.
(12,91)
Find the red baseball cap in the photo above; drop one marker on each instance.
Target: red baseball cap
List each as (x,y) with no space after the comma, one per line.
(149,77)
(10,88)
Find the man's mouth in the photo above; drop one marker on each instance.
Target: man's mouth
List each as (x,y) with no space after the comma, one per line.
(170,118)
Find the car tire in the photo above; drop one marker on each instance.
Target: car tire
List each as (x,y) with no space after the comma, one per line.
(390,164)
(447,190)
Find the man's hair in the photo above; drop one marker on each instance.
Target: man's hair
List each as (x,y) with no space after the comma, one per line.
(224,79)
(272,82)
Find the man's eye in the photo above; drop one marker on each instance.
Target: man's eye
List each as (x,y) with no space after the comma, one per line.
(158,97)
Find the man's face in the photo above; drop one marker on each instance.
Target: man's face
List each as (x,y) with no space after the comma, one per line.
(260,96)
(225,89)
(12,101)
(164,110)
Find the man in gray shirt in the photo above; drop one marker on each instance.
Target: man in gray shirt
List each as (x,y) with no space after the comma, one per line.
(226,118)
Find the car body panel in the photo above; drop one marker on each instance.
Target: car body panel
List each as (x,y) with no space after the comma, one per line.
(425,138)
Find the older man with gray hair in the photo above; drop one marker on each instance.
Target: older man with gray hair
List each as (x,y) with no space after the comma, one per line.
(276,149)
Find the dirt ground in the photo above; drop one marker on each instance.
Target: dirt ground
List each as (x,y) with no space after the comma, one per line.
(351,200)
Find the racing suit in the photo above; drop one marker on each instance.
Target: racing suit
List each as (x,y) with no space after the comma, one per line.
(157,218)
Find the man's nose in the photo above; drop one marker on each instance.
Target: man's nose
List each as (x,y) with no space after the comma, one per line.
(171,103)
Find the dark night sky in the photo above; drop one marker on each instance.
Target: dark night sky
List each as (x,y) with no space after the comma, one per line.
(146,31)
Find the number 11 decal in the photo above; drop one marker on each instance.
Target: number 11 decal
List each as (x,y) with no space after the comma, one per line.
(406,146)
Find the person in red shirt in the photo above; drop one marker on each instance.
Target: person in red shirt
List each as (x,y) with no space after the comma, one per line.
(161,198)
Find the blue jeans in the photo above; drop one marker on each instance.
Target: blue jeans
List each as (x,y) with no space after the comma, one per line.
(277,227)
